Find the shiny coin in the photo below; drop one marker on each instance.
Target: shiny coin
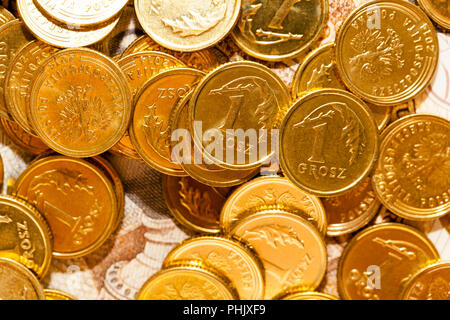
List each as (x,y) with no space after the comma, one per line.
(81,12)
(80,103)
(379,260)
(18,283)
(125,148)
(187,281)
(51,294)
(24,235)
(187,25)
(403,110)
(204,60)
(292,251)
(352,210)
(23,139)
(318,71)
(5,16)
(60,35)
(412,174)
(150,132)
(301,295)
(228,256)
(194,205)
(79,227)
(430,283)
(328,142)
(387,51)
(271,192)
(445,220)
(19,79)
(281,29)
(185,153)
(438,10)
(13,36)
(238,97)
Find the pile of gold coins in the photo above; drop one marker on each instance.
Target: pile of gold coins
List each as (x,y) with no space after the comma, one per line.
(345,135)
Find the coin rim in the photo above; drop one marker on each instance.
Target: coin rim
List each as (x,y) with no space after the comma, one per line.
(57,293)
(432,13)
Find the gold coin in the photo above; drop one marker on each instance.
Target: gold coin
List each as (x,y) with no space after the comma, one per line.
(13,36)
(57,295)
(403,110)
(5,16)
(187,280)
(57,34)
(24,235)
(282,29)
(209,174)
(81,12)
(430,283)
(328,142)
(18,283)
(238,96)
(106,167)
(149,132)
(387,51)
(138,68)
(411,177)
(377,261)
(187,25)
(20,77)
(80,102)
(292,251)
(228,256)
(204,60)
(445,221)
(301,295)
(194,205)
(79,227)
(318,71)
(352,210)
(271,192)
(438,10)
(23,139)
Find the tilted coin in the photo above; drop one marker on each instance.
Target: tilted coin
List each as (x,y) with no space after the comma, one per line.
(412,174)
(186,154)
(24,235)
(278,30)
(18,283)
(139,68)
(187,25)
(194,205)
(79,227)
(328,142)
(187,281)
(292,251)
(387,51)
(403,110)
(57,295)
(379,260)
(204,60)
(318,71)
(352,210)
(244,97)
(149,132)
(228,256)
(80,102)
(271,192)
(19,79)
(60,35)
(430,283)
(81,12)
(13,36)
(438,10)
(301,295)
(23,139)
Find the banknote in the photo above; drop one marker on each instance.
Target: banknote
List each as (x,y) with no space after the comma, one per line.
(147,233)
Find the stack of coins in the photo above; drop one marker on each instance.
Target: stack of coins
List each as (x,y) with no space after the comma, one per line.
(258,173)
